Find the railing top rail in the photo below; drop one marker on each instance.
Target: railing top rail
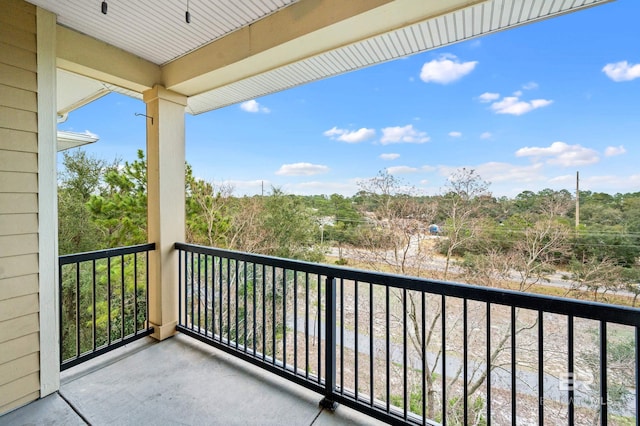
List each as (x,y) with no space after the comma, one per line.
(103,254)
(551,304)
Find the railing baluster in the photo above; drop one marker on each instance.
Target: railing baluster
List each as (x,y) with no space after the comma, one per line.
(235,309)
(540,368)
(513,366)
(220,300)
(181,320)
(206,295)
(387,353)
(306,325)
(465,362)
(330,343)
(371,342)
(122,307)
(341,336)
(604,398)
(443,313)
(78,309)
(109,300)
(264,313)
(255,286)
(356,347)
(318,331)
(228,287)
(489,363)
(244,312)
(274,353)
(295,322)
(135,296)
(424,357)
(146,291)
(284,319)
(637,374)
(93,302)
(570,369)
(199,275)
(405,358)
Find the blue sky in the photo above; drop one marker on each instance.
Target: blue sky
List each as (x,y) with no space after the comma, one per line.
(526,108)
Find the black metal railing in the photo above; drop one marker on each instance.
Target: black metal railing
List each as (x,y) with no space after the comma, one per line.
(410,350)
(103,301)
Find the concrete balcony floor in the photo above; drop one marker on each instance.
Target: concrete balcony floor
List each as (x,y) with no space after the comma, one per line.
(179,381)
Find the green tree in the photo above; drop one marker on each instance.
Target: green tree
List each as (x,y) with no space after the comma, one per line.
(80,178)
(290,227)
(121,206)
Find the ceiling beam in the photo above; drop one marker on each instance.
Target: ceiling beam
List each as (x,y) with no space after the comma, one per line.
(84,55)
(300,31)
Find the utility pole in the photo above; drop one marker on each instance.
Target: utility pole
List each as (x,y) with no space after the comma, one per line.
(577,199)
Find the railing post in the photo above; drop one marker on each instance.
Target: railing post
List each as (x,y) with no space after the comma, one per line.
(330,345)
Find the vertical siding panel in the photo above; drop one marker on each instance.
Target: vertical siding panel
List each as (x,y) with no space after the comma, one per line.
(19,303)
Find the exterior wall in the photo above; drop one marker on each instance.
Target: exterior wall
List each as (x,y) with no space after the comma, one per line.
(19,238)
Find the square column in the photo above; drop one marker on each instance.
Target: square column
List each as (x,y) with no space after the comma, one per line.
(165,203)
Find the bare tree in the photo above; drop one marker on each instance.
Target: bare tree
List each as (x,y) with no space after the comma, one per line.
(462,203)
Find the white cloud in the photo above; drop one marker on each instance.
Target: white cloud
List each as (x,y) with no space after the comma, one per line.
(302,169)
(486,135)
(333,132)
(399,170)
(390,156)
(622,71)
(355,136)
(90,134)
(530,85)
(455,134)
(428,168)
(488,97)
(561,154)
(446,69)
(612,151)
(406,134)
(514,106)
(254,106)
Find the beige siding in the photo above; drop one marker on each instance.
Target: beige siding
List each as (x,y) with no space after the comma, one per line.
(19,301)
(18,327)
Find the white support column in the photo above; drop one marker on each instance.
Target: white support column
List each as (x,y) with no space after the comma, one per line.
(166,203)
(47,204)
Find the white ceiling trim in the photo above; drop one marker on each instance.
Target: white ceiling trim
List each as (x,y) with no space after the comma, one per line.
(474,21)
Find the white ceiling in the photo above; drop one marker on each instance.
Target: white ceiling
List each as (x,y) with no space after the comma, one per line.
(156,30)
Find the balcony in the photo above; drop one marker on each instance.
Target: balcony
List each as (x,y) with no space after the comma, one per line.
(265,340)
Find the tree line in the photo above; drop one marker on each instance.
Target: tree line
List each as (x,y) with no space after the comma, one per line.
(484,239)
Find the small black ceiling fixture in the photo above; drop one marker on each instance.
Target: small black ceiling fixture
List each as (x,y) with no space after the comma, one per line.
(104,7)
(187,15)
